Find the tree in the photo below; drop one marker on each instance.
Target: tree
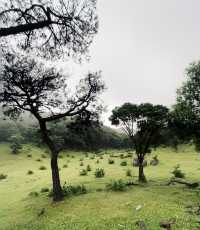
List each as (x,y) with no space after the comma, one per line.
(50,25)
(27,85)
(141,123)
(188,103)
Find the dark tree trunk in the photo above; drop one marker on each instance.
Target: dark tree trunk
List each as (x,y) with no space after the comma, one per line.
(141,176)
(57,189)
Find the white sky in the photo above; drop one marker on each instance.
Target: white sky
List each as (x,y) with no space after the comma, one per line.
(143,48)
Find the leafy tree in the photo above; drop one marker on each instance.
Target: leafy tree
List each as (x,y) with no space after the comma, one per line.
(50,25)
(30,86)
(141,123)
(187,109)
(16,143)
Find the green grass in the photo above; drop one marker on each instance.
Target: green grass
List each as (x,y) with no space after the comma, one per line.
(98,209)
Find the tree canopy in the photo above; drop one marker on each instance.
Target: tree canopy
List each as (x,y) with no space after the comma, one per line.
(52,26)
(141,123)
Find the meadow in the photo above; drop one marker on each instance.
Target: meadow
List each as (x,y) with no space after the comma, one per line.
(22,202)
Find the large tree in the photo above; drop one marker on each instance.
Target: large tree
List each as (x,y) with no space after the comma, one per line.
(187,109)
(50,25)
(29,86)
(141,123)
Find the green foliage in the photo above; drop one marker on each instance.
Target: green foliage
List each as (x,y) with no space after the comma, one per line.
(123,163)
(3,176)
(65,166)
(30,172)
(128,173)
(116,185)
(69,190)
(97,162)
(29,155)
(43,156)
(83,172)
(34,194)
(81,164)
(16,144)
(177,172)
(99,173)
(42,168)
(89,168)
(111,161)
(92,157)
(44,190)
(39,160)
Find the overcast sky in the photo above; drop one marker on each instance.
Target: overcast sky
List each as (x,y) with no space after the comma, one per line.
(143,48)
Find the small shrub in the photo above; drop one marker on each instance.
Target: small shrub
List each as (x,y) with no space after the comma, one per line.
(101,157)
(81,164)
(43,156)
(30,172)
(65,166)
(122,156)
(177,172)
(123,163)
(16,145)
(99,173)
(128,173)
(39,160)
(29,155)
(111,155)
(60,156)
(69,190)
(44,190)
(3,176)
(67,155)
(34,194)
(86,155)
(88,168)
(97,162)
(42,168)
(83,172)
(111,161)
(73,156)
(46,151)
(81,159)
(92,157)
(116,185)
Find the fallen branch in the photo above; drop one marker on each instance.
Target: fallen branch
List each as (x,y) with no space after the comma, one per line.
(179,181)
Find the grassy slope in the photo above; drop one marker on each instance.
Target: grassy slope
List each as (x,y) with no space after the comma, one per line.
(95,210)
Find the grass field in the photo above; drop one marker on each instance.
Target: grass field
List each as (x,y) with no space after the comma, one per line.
(98,209)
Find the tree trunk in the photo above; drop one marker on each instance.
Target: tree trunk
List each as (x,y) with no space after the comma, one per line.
(141,176)
(57,189)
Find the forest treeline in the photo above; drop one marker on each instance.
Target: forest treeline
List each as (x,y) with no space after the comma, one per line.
(73,134)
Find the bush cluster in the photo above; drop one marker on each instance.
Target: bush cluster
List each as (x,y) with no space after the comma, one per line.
(177,172)
(116,185)
(99,173)
(3,176)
